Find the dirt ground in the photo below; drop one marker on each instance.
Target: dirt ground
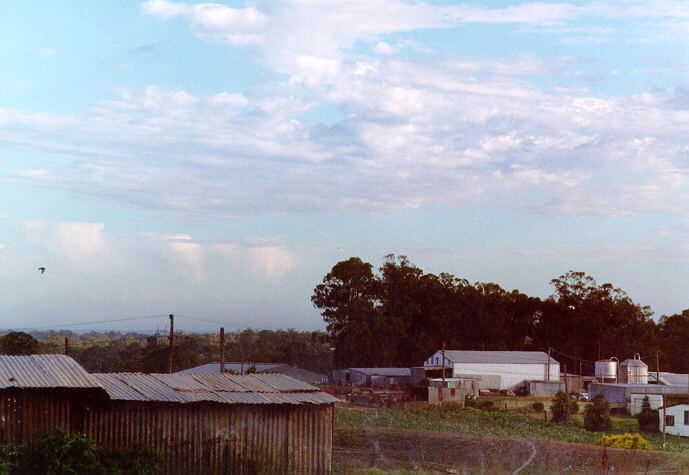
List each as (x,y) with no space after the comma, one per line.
(447,452)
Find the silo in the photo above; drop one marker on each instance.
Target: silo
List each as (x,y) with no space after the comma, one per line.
(633,371)
(606,370)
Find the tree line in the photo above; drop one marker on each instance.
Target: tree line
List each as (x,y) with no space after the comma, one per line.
(401,315)
(133,352)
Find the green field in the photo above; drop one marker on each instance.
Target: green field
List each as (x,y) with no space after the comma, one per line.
(495,424)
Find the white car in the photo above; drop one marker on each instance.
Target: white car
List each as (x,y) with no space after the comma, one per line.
(583,395)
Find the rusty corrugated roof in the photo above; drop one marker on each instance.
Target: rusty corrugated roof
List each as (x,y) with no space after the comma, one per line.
(222,388)
(43,371)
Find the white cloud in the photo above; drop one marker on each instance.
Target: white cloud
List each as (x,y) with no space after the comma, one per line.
(83,244)
(265,258)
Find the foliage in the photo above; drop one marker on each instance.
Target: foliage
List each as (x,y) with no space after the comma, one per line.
(20,343)
(648,418)
(597,414)
(559,406)
(61,452)
(401,315)
(625,441)
(537,406)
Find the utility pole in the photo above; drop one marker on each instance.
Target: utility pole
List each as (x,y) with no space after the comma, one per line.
(222,349)
(657,369)
(566,394)
(172,341)
(442,352)
(547,378)
(66,346)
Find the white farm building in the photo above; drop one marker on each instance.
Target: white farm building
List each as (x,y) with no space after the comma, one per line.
(498,369)
(676,419)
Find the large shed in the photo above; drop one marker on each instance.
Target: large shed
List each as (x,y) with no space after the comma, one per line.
(200,423)
(500,369)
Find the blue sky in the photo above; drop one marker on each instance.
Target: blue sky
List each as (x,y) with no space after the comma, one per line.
(211,160)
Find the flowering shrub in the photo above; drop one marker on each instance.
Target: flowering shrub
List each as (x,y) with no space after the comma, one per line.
(625,441)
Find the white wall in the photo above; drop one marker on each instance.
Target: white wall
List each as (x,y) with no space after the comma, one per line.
(512,374)
(679,427)
(636,400)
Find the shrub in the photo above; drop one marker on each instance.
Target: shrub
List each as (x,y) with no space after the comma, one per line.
(537,406)
(648,418)
(625,441)
(559,406)
(63,452)
(597,414)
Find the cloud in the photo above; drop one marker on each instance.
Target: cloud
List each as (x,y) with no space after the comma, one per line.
(83,244)
(265,258)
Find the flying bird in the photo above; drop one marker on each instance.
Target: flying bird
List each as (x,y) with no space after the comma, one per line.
(42,269)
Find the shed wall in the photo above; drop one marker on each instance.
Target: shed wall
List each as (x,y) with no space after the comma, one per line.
(679,428)
(216,438)
(512,374)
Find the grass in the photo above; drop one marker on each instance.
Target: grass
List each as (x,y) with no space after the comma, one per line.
(495,424)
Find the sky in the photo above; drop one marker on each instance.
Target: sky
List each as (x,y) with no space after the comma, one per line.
(215,160)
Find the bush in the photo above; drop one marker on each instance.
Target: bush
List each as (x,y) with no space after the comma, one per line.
(597,414)
(537,406)
(559,406)
(625,441)
(64,452)
(648,418)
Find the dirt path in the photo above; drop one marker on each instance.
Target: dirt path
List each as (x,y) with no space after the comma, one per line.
(463,453)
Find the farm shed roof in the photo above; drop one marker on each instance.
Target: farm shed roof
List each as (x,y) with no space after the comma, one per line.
(383,371)
(282,368)
(43,371)
(222,388)
(513,357)
(669,379)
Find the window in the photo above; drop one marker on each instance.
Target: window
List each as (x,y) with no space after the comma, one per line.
(669,421)
(686,418)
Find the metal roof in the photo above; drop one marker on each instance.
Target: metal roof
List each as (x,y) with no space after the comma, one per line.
(669,379)
(631,362)
(383,371)
(223,388)
(301,374)
(512,357)
(43,371)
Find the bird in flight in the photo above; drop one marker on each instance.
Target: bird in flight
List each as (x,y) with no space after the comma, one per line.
(42,269)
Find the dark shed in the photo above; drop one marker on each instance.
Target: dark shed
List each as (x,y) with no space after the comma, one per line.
(201,423)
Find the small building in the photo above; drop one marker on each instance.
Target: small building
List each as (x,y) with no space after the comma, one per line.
(452,390)
(199,423)
(676,419)
(372,376)
(637,400)
(310,377)
(501,369)
(620,394)
(544,388)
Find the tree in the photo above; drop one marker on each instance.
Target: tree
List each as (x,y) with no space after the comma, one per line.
(19,343)
(648,418)
(347,299)
(559,406)
(597,414)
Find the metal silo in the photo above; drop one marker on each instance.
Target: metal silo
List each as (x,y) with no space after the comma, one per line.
(606,370)
(633,371)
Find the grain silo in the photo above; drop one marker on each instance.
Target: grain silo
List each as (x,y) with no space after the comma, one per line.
(606,370)
(633,371)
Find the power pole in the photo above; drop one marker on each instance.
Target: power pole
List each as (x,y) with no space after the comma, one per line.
(566,394)
(547,378)
(222,349)
(442,352)
(657,369)
(172,341)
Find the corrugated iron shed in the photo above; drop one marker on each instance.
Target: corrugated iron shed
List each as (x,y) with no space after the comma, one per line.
(222,388)
(43,371)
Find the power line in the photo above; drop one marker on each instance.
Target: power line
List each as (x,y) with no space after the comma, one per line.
(62,325)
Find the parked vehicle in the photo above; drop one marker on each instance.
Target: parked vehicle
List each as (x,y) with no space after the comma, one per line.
(583,395)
